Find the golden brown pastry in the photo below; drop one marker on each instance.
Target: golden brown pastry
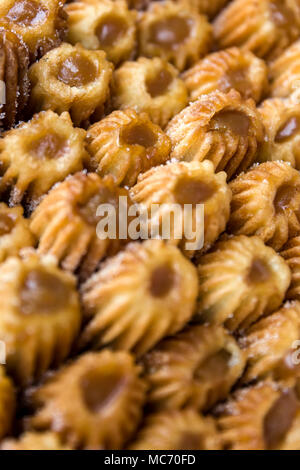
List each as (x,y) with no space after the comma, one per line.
(39,315)
(93,403)
(223,70)
(66,220)
(269,343)
(103,24)
(281,118)
(125,144)
(150,85)
(240,281)
(207,7)
(265,27)
(220,127)
(184,183)
(285,72)
(7,403)
(14,62)
(34,441)
(41,24)
(38,154)
(258,417)
(196,368)
(291,253)
(177,430)
(71,78)
(144,293)
(265,202)
(14,231)
(175,32)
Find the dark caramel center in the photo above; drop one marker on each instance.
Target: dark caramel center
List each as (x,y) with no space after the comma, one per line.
(190,441)
(288,129)
(111,30)
(214,368)
(49,146)
(281,15)
(99,389)
(6,224)
(284,196)
(27,13)
(171,32)
(43,292)
(158,85)
(77,70)
(279,418)
(259,272)
(138,134)
(88,210)
(236,79)
(235,121)
(162,281)
(189,191)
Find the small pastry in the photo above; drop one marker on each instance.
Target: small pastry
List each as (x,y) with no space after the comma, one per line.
(41,24)
(182,183)
(265,202)
(177,430)
(103,24)
(71,78)
(218,127)
(240,281)
(175,32)
(156,289)
(281,119)
(223,70)
(265,27)
(291,253)
(38,154)
(93,403)
(66,221)
(125,144)
(34,441)
(258,417)
(285,72)
(207,7)
(150,85)
(196,368)
(39,315)
(7,403)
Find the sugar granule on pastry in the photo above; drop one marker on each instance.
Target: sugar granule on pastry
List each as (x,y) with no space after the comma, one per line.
(175,32)
(144,293)
(103,24)
(39,315)
(38,154)
(71,78)
(220,127)
(41,24)
(285,72)
(185,183)
(240,281)
(149,85)
(265,202)
(196,368)
(177,430)
(7,403)
(230,68)
(265,27)
(34,441)
(125,144)
(94,402)
(66,220)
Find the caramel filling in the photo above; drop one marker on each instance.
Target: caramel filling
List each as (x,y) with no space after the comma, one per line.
(77,71)
(100,388)
(159,84)
(49,146)
(236,79)
(235,121)
(171,32)
(279,419)
(162,281)
(6,224)
(43,292)
(88,210)
(284,196)
(138,134)
(281,15)
(190,441)
(288,129)
(110,31)
(259,272)
(214,369)
(27,13)
(188,191)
